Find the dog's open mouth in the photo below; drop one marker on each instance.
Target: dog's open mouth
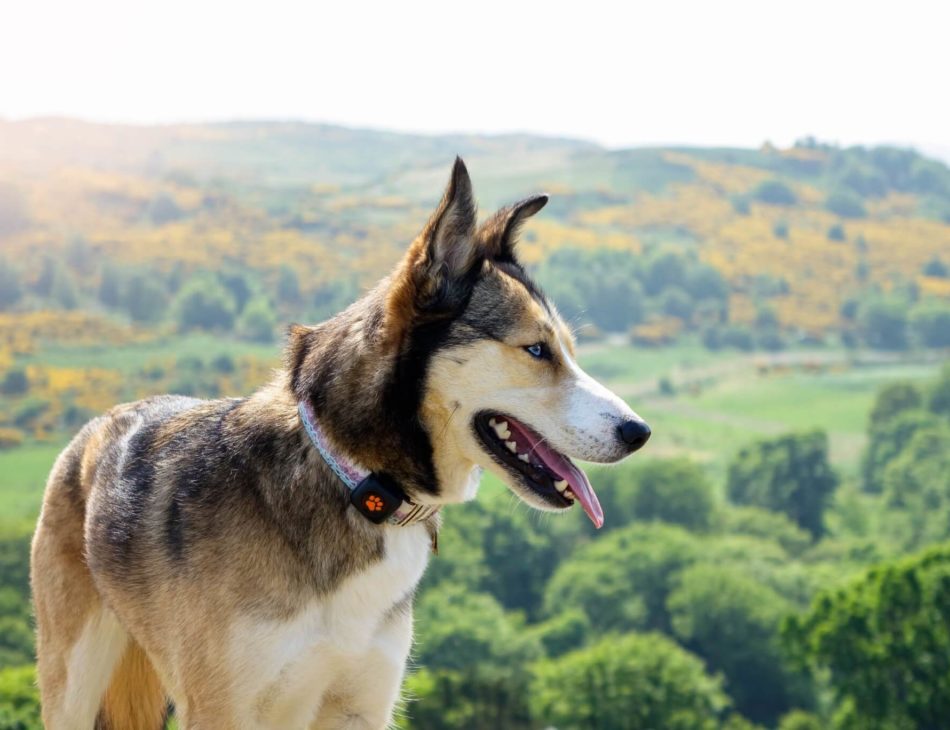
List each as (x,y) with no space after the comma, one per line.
(546,472)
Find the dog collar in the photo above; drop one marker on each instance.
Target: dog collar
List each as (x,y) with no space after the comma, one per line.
(375,496)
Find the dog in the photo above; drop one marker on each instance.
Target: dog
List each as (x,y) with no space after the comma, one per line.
(252,560)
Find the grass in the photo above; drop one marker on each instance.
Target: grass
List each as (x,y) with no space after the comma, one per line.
(23,473)
(134,357)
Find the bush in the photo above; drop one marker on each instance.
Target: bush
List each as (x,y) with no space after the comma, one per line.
(774,192)
(836,232)
(845,204)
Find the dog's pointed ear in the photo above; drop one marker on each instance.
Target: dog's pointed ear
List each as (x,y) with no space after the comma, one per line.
(440,267)
(449,236)
(498,235)
(446,254)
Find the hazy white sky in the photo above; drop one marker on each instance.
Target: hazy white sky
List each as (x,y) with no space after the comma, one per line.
(710,72)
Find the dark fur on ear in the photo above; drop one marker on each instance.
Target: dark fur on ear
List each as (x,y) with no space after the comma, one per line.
(439,270)
(499,234)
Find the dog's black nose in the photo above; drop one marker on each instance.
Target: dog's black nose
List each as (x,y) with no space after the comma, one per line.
(634,433)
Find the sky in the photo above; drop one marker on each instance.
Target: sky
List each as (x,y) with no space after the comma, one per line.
(618,73)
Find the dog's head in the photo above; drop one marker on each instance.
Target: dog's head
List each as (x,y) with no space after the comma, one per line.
(457,361)
(502,388)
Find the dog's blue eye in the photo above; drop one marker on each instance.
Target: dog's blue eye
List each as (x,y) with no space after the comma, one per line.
(537,350)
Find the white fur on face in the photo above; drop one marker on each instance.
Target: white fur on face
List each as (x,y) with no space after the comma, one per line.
(573,412)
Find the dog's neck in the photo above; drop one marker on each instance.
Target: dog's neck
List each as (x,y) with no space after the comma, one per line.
(376,498)
(366,391)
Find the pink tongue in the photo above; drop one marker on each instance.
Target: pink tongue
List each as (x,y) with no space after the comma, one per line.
(578,480)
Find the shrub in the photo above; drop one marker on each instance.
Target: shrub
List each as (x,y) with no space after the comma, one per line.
(836,232)
(845,204)
(774,192)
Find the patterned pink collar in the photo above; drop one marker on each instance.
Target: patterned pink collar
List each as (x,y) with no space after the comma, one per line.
(377,497)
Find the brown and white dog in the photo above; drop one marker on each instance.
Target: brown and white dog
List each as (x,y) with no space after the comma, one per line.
(207,554)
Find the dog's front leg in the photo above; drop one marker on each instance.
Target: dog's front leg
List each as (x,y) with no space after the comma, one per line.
(364,697)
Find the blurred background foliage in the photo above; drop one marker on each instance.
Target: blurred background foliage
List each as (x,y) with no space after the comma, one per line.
(776,558)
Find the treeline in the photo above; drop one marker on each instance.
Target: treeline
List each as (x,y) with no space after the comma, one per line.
(657,297)
(234,300)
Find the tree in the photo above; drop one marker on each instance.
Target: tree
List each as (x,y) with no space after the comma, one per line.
(930,323)
(258,321)
(938,395)
(732,622)
(64,291)
(631,682)
(846,204)
(883,324)
(672,490)
(937,268)
(476,660)
(19,699)
(664,270)
(15,382)
(884,639)
(788,474)
(774,192)
(162,209)
(145,298)
(14,212)
(11,289)
(892,399)
(288,286)
(836,232)
(110,286)
(917,481)
(203,303)
(621,580)
(887,438)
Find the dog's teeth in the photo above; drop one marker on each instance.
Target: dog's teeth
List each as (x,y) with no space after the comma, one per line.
(512,446)
(569,494)
(492,422)
(501,428)
(524,457)
(560,485)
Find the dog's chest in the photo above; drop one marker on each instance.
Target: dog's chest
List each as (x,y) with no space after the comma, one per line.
(290,664)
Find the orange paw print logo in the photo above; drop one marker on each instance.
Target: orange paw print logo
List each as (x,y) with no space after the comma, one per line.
(374,503)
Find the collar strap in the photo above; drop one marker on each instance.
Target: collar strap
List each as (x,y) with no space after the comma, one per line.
(375,496)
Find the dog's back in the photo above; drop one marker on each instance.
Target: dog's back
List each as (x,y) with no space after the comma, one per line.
(89,669)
